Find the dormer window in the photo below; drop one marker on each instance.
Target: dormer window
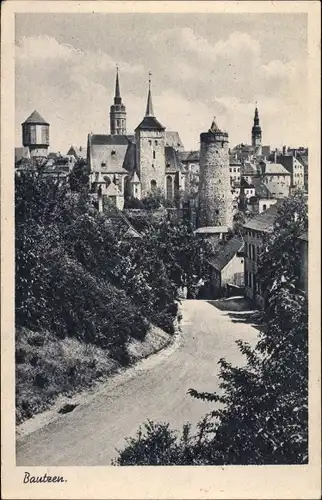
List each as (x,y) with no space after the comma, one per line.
(103,164)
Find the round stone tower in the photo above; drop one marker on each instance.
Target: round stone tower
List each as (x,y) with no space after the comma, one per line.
(215,197)
(35,135)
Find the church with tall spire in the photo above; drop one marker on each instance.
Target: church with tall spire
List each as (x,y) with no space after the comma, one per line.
(124,166)
(117,111)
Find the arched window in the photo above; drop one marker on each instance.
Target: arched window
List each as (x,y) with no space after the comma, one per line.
(264,207)
(153,185)
(154,155)
(169,187)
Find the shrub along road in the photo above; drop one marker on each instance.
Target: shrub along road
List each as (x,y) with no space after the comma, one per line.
(89,434)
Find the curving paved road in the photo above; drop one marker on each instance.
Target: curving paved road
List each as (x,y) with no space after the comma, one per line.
(156,390)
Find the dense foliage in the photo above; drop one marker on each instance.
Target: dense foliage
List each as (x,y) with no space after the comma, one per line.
(86,276)
(261,415)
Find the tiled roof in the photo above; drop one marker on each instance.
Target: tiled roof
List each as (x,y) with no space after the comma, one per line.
(233,160)
(303,158)
(22,152)
(171,159)
(226,252)
(189,156)
(135,179)
(248,169)
(245,184)
(183,155)
(150,123)
(36,118)
(211,230)
(109,153)
(275,169)
(173,139)
(114,140)
(79,152)
(261,190)
(264,221)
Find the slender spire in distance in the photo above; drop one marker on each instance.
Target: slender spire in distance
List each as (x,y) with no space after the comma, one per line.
(117,83)
(149,106)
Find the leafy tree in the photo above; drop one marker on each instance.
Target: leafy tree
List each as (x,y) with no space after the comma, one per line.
(261,415)
(79,176)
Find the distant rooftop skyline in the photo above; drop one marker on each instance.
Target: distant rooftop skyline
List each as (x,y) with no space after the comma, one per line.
(202,66)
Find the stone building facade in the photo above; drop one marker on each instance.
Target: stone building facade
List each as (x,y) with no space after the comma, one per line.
(150,151)
(215,197)
(254,231)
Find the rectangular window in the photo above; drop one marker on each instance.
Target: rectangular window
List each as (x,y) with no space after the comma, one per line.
(33,134)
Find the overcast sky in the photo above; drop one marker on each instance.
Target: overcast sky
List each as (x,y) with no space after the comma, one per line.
(202,65)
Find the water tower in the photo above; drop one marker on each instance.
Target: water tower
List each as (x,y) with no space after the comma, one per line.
(35,135)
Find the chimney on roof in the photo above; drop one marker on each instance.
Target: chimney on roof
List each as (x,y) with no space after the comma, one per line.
(284,150)
(275,155)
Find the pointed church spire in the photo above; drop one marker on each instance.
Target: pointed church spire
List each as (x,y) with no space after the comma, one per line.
(117,110)
(117,97)
(149,106)
(117,83)
(256,116)
(256,129)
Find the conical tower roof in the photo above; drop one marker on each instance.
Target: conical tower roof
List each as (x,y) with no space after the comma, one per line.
(149,106)
(214,127)
(36,118)
(150,122)
(117,84)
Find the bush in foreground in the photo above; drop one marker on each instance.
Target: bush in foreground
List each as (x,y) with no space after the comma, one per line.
(261,415)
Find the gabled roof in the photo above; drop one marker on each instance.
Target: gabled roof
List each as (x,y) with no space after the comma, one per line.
(78,151)
(264,221)
(109,153)
(245,184)
(113,190)
(226,252)
(103,139)
(211,230)
(275,169)
(36,118)
(135,179)
(248,169)
(261,190)
(172,139)
(189,156)
(172,159)
(150,123)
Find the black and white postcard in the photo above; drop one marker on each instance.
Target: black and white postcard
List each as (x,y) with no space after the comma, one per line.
(160,250)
